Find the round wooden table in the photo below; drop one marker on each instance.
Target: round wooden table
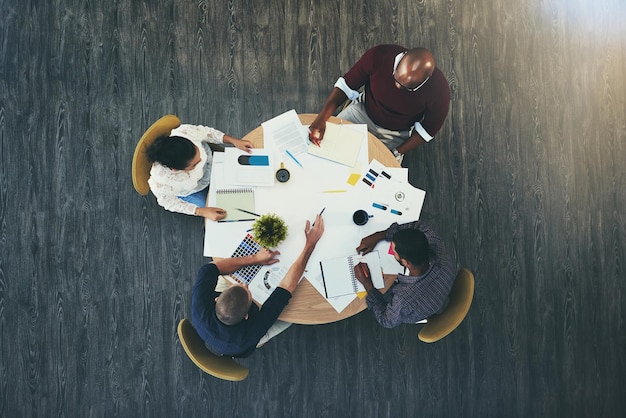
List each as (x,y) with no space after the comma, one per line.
(307,305)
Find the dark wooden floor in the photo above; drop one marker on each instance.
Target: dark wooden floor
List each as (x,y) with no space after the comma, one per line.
(526,182)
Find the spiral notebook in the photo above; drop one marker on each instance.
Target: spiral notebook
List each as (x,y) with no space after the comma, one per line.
(338,274)
(234,199)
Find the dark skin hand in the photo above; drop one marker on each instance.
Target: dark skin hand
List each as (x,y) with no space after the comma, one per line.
(369,242)
(318,127)
(363,275)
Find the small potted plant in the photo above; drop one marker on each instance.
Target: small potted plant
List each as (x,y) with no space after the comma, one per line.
(269,230)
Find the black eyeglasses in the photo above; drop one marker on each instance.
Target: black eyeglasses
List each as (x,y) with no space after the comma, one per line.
(393,74)
(411,88)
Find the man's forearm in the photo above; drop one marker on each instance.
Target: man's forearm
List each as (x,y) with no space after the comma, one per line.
(232,264)
(413,142)
(336,98)
(292,278)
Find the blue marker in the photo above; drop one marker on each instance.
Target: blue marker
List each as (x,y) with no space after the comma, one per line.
(395,212)
(379,206)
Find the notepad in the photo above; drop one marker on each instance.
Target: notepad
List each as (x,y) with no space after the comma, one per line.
(340,144)
(339,278)
(233,199)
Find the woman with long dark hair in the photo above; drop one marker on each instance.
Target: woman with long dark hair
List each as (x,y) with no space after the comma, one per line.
(181,168)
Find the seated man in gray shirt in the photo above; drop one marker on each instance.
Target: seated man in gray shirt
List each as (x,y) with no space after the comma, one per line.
(422,292)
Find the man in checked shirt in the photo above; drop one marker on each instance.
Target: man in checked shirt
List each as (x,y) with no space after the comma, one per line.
(429,273)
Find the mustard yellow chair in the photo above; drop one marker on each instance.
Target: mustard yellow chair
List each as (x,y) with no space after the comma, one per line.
(461,295)
(221,367)
(141,164)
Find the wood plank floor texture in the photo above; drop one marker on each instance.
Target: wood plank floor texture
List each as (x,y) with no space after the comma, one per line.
(525,182)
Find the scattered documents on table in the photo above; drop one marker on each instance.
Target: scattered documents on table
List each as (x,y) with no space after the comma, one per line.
(383,192)
(386,193)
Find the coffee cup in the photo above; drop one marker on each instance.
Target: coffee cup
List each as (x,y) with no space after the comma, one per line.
(360,217)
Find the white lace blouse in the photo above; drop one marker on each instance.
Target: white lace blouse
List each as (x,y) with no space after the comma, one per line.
(167,184)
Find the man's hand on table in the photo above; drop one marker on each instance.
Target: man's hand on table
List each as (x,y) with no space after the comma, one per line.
(266,257)
(369,242)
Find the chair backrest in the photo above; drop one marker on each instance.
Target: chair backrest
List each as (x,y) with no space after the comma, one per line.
(461,295)
(221,367)
(141,165)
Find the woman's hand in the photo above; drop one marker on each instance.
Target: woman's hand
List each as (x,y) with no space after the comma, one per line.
(242,144)
(214,214)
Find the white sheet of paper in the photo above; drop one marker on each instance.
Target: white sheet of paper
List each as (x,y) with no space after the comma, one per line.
(267,280)
(286,132)
(340,144)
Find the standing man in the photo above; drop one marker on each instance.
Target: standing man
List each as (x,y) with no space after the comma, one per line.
(228,322)
(429,274)
(404,102)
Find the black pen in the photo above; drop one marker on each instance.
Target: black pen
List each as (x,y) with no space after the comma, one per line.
(320,215)
(248,212)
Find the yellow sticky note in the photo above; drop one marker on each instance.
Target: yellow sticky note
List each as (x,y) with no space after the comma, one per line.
(354,177)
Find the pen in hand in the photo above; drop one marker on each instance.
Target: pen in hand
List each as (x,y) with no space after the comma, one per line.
(314,138)
(313,224)
(364,269)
